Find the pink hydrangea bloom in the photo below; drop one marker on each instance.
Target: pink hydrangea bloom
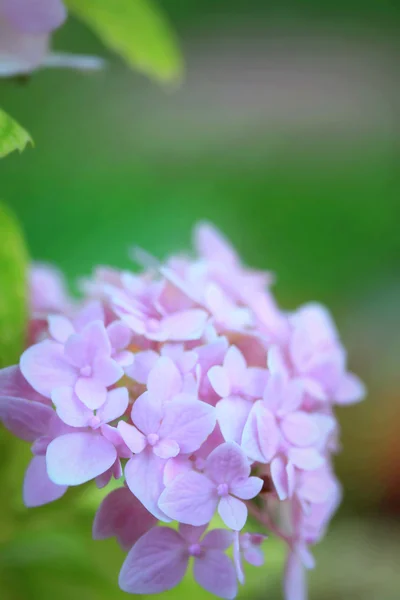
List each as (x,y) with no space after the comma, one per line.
(188,381)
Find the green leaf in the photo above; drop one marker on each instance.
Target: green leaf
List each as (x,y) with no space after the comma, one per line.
(13,264)
(137,31)
(12,135)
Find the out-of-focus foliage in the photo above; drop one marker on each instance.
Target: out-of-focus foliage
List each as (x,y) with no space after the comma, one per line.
(12,135)
(137,30)
(13,262)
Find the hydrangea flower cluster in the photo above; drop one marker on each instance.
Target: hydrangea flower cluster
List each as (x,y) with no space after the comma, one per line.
(188,384)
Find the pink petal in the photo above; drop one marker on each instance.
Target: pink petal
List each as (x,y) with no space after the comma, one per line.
(14,384)
(144,476)
(60,328)
(107,371)
(306,458)
(254,556)
(275,392)
(295,584)
(211,244)
(69,408)
(115,406)
(121,515)
(75,458)
(143,363)
(185,325)
(38,488)
(45,367)
(219,380)
(227,463)
(235,366)
(232,414)
(237,558)
(276,361)
(91,392)
(92,311)
(133,438)
(166,449)
(350,390)
(119,335)
(292,397)
(282,477)
(164,380)
(188,422)
(147,413)
(192,534)
(156,563)
(41,16)
(261,436)
(233,512)
(255,382)
(176,466)
(215,572)
(300,429)
(26,419)
(218,539)
(247,488)
(190,498)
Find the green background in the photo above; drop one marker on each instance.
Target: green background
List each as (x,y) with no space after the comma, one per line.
(120,162)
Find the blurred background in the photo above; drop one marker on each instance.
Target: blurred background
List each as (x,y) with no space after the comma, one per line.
(286,134)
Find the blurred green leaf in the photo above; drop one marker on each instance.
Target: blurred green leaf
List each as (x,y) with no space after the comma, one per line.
(12,135)
(137,31)
(13,262)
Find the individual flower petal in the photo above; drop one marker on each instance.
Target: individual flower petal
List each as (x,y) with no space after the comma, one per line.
(147,413)
(218,539)
(185,325)
(247,488)
(211,244)
(144,476)
(190,498)
(115,406)
(45,367)
(219,380)
(133,438)
(300,429)
(166,449)
(14,384)
(282,474)
(143,363)
(119,335)
(215,572)
(233,512)
(69,408)
(235,366)
(260,440)
(107,371)
(188,422)
(91,392)
(164,380)
(75,458)
(122,515)
(232,414)
(38,488)
(350,390)
(26,419)
(306,458)
(176,466)
(156,563)
(60,328)
(227,463)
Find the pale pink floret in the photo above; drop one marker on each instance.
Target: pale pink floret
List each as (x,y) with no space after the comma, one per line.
(194,497)
(83,364)
(159,560)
